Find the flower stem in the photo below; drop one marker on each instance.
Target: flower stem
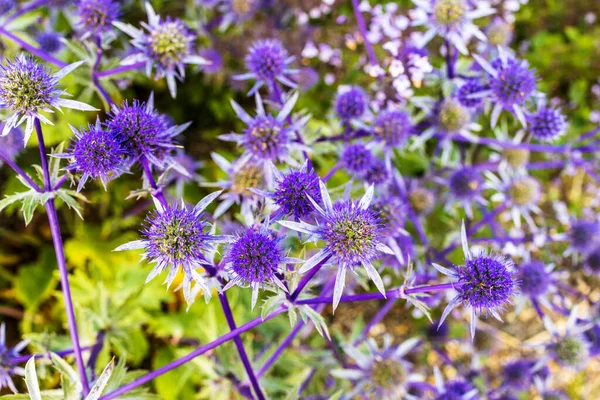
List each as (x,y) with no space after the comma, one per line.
(60,353)
(8,161)
(449,59)
(118,70)
(362,27)
(240,346)
(32,49)
(62,264)
(157,192)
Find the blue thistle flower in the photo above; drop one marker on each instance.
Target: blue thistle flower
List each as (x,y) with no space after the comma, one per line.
(267,62)
(584,235)
(144,132)
(392,127)
(465,183)
(499,32)
(377,173)
(352,236)
(177,236)
(592,337)
(518,375)
(468,94)
(7,367)
(28,87)
(166,47)
(547,124)
(534,279)
(391,213)
(485,283)
(592,261)
(96,153)
(97,16)
(452,117)
(356,158)
(458,389)
(6,6)
(351,103)
(49,42)
(254,260)
(421,199)
(11,144)
(292,189)
(570,350)
(237,11)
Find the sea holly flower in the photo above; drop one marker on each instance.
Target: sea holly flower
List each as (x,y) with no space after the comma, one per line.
(236,12)
(177,236)
(267,138)
(536,283)
(392,128)
(380,373)
(421,200)
(584,236)
(268,63)
(457,389)
(592,262)
(166,47)
(547,124)
(144,133)
(351,103)
(356,158)
(485,283)
(97,16)
(377,174)
(450,19)
(499,32)
(511,84)
(28,87)
(568,348)
(519,374)
(96,153)
(50,42)
(465,186)
(8,368)
(468,93)
(254,260)
(352,237)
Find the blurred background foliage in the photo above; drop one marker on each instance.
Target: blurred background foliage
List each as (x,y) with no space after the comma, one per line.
(148,326)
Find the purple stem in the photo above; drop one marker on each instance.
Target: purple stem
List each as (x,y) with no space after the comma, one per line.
(362,27)
(240,346)
(32,49)
(60,259)
(61,353)
(118,70)
(430,288)
(332,171)
(61,182)
(103,92)
(545,148)
(157,192)
(30,7)
(449,59)
(589,135)
(199,351)
(9,161)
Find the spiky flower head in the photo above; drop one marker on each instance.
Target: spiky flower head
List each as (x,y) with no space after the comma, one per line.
(177,235)
(392,127)
(249,175)
(8,367)
(534,280)
(570,350)
(592,261)
(465,183)
(452,116)
(49,42)
(266,137)
(499,32)
(388,374)
(467,93)
(356,158)
(458,389)
(97,16)
(377,173)
(516,158)
(144,132)
(351,103)
(166,47)
(592,337)
(390,212)
(28,87)
(449,12)
(96,153)
(292,190)
(518,374)
(584,235)
(514,82)
(254,259)
(6,6)
(547,124)
(524,191)
(421,200)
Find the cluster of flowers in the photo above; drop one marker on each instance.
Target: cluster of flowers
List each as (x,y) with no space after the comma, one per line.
(285,204)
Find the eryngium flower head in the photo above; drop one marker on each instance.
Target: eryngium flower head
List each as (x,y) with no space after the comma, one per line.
(7,366)
(390,212)
(570,350)
(449,12)
(458,389)
(392,127)
(6,6)
(28,87)
(250,175)
(592,337)
(592,261)
(356,158)
(96,153)
(516,158)
(144,132)
(292,190)
(377,174)
(467,94)
(499,32)
(351,103)
(49,42)
(584,235)
(421,200)
(534,280)
(167,46)
(266,137)
(253,260)
(524,191)
(177,236)
(267,61)
(452,116)
(465,183)
(514,82)
(547,124)
(518,374)
(97,16)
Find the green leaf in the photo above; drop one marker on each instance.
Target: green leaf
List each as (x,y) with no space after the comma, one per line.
(34,282)
(293,316)
(8,200)
(31,380)
(317,319)
(68,196)
(270,305)
(100,384)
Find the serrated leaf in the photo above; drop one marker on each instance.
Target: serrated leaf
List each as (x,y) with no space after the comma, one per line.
(293,316)
(420,305)
(30,203)
(8,200)
(270,305)
(100,384)
(54,166)
(317,319)
(31,380)
(64,368)
(67,196)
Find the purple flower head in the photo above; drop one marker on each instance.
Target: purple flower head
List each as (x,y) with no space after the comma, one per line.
(166,47)
(452,116)
(11,144)
(438,333)
(266,138)
(6,6)
(524,191)
(215,61)
(254,259)
(308,78)
(421,200)
(97,16)
(392,127)
(465,183)
(516,158)
(250,175)
(351,103)
(49,42)
(518,374)
(144,132)
(96,153)
(592,337)
(584,235)
(467,94)
(292,190)
(570,350)
(592,261)
(267,61)
(458,389)
(547,124)
(177,236)
(237,11)
(499,32)
(28,87)
(8,367)
(377,173)
(391,213)
(534,279)
(356,158)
